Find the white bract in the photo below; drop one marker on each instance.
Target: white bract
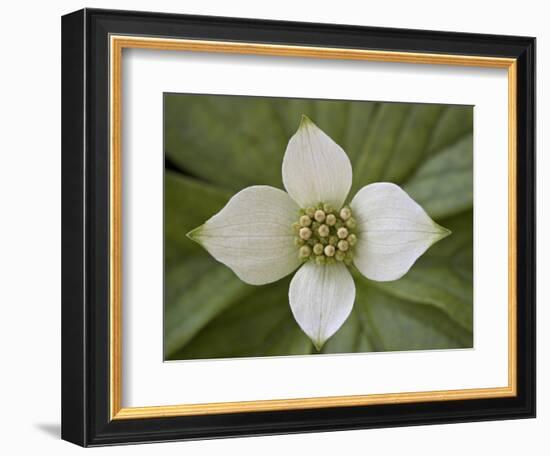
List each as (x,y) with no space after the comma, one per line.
(263,233)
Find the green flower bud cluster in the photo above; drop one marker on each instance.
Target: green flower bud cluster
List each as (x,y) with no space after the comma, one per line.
(325,235)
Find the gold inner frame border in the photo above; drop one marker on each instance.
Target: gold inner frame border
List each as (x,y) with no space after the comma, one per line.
(117,44)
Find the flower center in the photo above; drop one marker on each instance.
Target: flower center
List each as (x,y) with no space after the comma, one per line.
(325,235)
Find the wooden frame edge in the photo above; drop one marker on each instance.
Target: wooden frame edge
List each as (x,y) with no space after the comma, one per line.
(120,42)
(165,411)
(512,227)
(115,214)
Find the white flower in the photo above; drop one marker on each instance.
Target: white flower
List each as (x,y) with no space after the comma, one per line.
(264,234)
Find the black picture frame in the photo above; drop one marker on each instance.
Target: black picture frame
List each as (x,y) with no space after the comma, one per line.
(85,223)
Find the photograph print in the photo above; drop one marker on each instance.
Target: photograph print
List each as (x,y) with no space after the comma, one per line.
(315,227)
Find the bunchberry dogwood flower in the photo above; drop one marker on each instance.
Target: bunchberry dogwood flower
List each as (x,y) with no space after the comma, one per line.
(264,233)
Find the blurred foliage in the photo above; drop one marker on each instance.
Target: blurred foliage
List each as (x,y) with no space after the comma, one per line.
(218,145)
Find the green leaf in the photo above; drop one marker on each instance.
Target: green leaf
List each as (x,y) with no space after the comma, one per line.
(443,185)
(206,135)
(404,325)
(383,322)
(412,142)
(354,336)
(454,123)
(443,276)
(402,136)
(261,324)
(359,120)
(381,140)
(197,290)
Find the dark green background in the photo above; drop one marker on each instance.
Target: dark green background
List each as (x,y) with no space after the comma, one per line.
(218,145)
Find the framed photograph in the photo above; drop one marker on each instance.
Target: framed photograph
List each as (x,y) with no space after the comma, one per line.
(276,227)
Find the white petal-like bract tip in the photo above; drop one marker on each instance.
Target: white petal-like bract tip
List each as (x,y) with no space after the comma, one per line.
(315,168)
(252,235)
(393,231)
(321,298)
